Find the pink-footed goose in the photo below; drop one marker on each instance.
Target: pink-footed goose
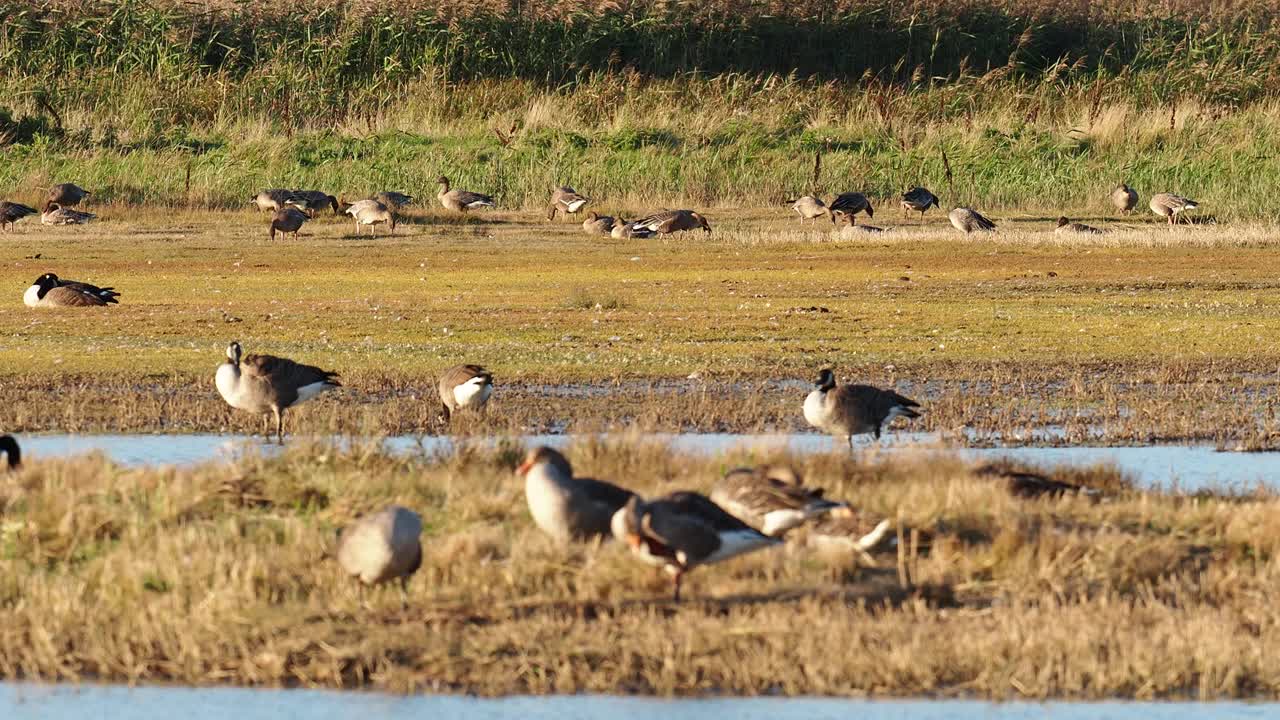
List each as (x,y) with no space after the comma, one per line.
(383,546)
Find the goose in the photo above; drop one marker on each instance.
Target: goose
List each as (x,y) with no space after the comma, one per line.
(36,295)
(1169,205)
(683,530)
(272,200)
(1030,484)
(464,387)
(12,212)
(55,214)
(1124,198)
(287,220)
(850,410)
(919,200)
(460,200)
(847,529)
(770,498)
(850,230)
(670,221)
(65,195)
(566,507)
(809,207)
(968,220)
(1066,226)
(566,200)
(312,200)
(597,224)
(269,384)
(848,205)
(392,199)
(13,455)
(383,546)
(623,229)
(371,212)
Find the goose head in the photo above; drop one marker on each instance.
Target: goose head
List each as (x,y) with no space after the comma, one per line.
(234,352)
(443,181)
(702,222)
(826,379)
(625,523)
(13,456)
(548,457)
(1063,221)
(45,283)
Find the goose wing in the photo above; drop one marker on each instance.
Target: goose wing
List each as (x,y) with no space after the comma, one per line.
(468,198)
(70,297)
(107,294)
(284,375)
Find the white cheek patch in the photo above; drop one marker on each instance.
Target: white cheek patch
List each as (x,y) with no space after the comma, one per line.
(31,297)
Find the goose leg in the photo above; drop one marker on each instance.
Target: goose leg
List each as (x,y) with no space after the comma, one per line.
(404,593)
(279,425)
(678,576)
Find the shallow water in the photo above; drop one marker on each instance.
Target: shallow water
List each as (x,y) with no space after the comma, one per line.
(1184,467)
(67,702)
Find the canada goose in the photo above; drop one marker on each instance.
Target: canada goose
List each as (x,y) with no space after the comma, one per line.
(460,200)
(287,220)
(55,214)
(623,229)
(384,546)
(1124,198)
(848,205)
(1066,226)
(567,507)
(566,200)
(919,200)
(65,195)
(38,294)
(968,220)
(847,529)
(313,200)
(12,212)
(669,221)
(770,498)
(371,212)
(597,224)
(464,387)
(272,200)
(269,384)
(684,530)
(1030,484)
(809,207)
(13,455)
(392,199)
(850,410)
(1169,205)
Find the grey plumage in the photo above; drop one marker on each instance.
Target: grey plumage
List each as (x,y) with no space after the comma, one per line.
(12,212)
(968,220)
(566,507)
(597,224)
(919,200)
(848,205)
(460,200)
(670,221)
(464,387)
(1168,205)
(770,498)
(383,546)
(1124,198)
(269,384)
(287,220)
(1066,226)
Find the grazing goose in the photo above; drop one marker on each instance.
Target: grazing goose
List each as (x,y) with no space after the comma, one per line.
(770,498)
(1066,226)
(919,200)
(847,529)
(848,205)
(65,195)
(566,200)
(13,455)
(1169,205)
(968,220)
(36,294)
(464,387)
(268,384)
(287,220)
(597,224)
(850,410)
(12,212)
(623,229)
(1124,198)
(371,212)
(684,530)
(55,214)
(392,199)
(567,507)
(460,200)
(383,546)
(809,207)
(312,200)
(272,200)
(670,221)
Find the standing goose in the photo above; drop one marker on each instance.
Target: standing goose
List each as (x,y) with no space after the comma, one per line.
(684,530)
(1169,205)
(623,229)
(12,212)
(287,220)
(919,200)
(13,455)
(272,200)
(383,546)
(268,384)
(313,200)
(770,498)
(566,200)
(598,224)
(460,200)
(809,207)
(395,201)
(968,220)
(850,410)
(1124,198)
(1065,226)
(55,214)
(847,529)
(567,507)
(464,387)
(670,221)
(848,205)
(371,212)
(35,294)
(65,195)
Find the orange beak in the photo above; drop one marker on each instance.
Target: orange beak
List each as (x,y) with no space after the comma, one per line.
(524,467)
(634,540)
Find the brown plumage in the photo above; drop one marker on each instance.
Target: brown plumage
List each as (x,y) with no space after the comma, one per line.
(464,387)
(670,221)
(848,205)
(287,220)
(847,529)
(810,207)
(12,212)
(850,410)
(65,195)
(1169,205)
(55,214)
(597,224)
(12,453)
(392,199)
(770,498)
(460,200)
(313,200)
(968,220)
(919,200)
(566,200)
(1066,226)
(1124,198)
(623,229)
(269,384)
(272,200)
(1021,483)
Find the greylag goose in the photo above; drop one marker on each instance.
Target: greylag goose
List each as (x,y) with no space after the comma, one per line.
(287,220)
(770,498)
(12,454)
(313,200)
(968,220)
(55,214)
(393,200)
(848,205)
(850,410)
(370,213)
(567,507)
(464,387)
(1065,226)
(268,384)
(919,200)
(623,229)
(384,546)
(65,195)
(809,207)
(597,224)
(847,529)
(272,200)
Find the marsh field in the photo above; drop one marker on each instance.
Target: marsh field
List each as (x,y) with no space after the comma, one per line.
(222,572)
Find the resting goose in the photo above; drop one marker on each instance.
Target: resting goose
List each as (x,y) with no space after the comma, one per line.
(12,212)
(1066,226)
(598,224)
(392,199)
(38,292)
(850,410)
(623,229)
(464,387)
(1124,198)
(370,213)
(809,207)
(683,530)
(770,498)
(566,200)
(268,384)
(13,455)
(1169,205)
(847,529)
(567,507)
(968,220)
(848,205)
(919,200)
(55,214)
(383,546)
(460,200)
(670,221)
(65,195)
(287,220)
